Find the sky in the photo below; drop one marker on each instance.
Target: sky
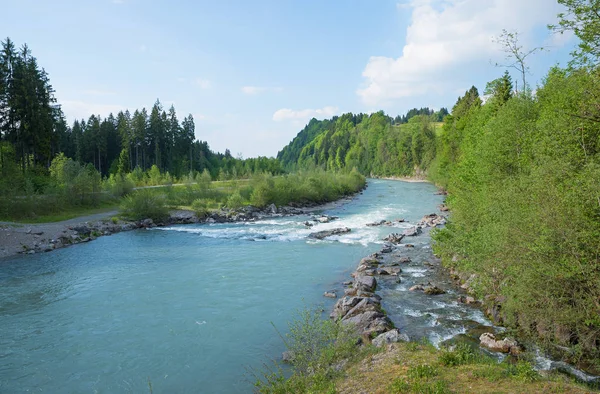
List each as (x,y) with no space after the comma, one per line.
(253,73)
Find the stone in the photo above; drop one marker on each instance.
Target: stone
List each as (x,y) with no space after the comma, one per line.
(432,220)
(416,288)
(394,238)
(433,290)
(330,294)
(506,345)
(404,260)
(388,337)
(386,249)
(147,223)
(369,323)
(271,209)
(412,232)
(375,224)
(287,357)
(328,233)
(409,246)
(365,283)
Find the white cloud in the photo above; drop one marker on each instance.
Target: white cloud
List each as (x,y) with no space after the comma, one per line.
(444,37)
(203,83)
(305,114)
(254,90)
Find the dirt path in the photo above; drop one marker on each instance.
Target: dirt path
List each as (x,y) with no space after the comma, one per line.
(16,237)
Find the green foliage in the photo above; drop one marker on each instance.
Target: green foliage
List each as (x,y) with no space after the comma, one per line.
(370,143)
(525,200)
(145,204)
(316,345)
(461,354)
(235,200)
(582,18)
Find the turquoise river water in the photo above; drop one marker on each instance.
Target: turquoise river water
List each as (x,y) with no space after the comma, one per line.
(191,308)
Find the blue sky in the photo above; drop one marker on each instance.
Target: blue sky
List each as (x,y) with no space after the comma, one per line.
(252,73)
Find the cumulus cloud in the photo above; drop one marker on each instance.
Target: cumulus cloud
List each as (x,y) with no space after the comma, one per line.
(305,114)
(445,36)
(254,90)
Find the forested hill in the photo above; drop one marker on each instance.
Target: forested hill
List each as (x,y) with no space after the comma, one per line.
(375,144)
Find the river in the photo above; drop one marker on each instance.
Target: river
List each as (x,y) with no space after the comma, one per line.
(192,308)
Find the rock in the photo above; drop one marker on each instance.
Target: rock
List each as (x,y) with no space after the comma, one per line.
(404,260)
(507,345)
(330,294)
(433,290)
(147,223)
(386,249)
(326,219)
(391,270)
(432,220)
(394,238)
(271,209)
(328,233)
(287,357)
(343,305)
(82,230)
(375,224)
(409,246)
(417,288)
(388,337)
(365,283)
(370,323)
(211,220)
(347,283)
(308,224)
(412,232)
(443,208)
(401,220)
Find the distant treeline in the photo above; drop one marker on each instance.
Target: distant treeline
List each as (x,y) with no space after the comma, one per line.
(33,131)
(373,144)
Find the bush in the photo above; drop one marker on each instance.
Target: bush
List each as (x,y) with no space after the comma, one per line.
(316,345)
(235,201)
(145,204)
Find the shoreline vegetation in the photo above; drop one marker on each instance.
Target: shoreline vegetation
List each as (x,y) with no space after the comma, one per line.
(252,199)
(358,349)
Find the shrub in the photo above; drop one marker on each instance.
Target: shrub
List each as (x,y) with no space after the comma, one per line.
(145,204)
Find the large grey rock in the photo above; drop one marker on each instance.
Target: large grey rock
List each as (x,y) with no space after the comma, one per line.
(412,232)
(365,283)
(433,290)
(343,305)
(328,233)
(394,238)
(271,209)
(369,323)
(388,337)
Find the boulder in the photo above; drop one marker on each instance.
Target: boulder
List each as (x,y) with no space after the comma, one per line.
(287,357)
(271,209)
(330,294)
(394,238)
(326,219)
(433,290)
(365,283)
(386,249)
(147,223)
(412,232)
(404,260)
(432,220)
(417,288)
(388,337)
(328,233)
(343,305)
(82,230)
(506,345)
(379,223)
(370,323)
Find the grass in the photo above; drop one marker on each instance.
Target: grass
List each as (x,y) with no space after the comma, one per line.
(69,213)
(420,368)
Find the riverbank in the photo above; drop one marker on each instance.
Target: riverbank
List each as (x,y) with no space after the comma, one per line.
(21,238)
